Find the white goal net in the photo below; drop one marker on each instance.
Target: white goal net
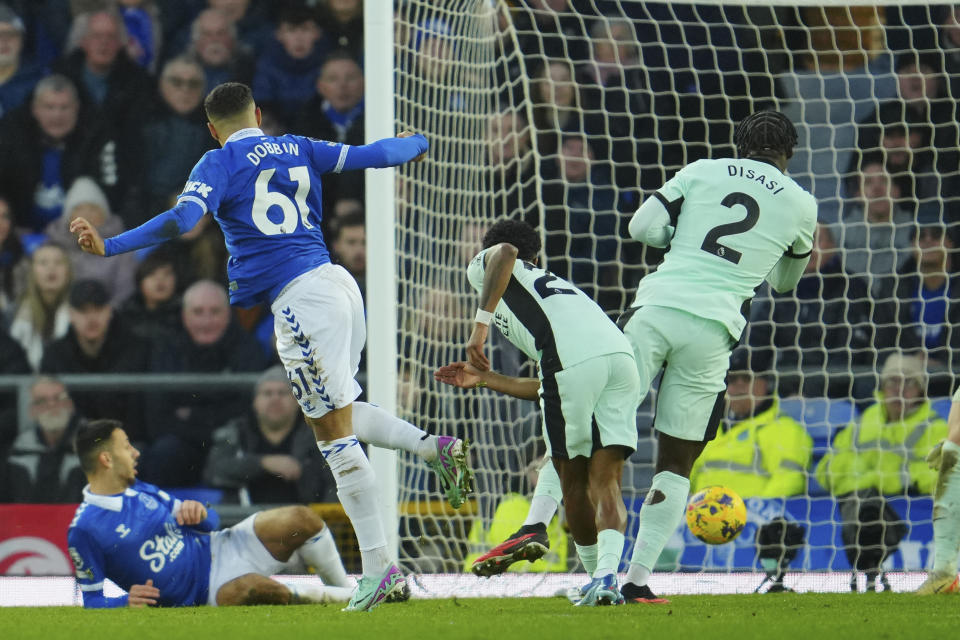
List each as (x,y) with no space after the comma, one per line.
(567,113)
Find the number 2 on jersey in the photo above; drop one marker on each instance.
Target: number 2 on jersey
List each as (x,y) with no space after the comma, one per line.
(263,199)
(710,244)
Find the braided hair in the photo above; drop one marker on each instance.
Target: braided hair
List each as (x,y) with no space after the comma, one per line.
(765,133)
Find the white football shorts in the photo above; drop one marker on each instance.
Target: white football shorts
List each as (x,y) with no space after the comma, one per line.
(590,405)
(694,354)
(235,552)
(321,329)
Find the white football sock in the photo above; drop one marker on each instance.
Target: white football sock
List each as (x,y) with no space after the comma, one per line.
(588,557)
(313,593)
(657,523)
(946,510)
(637,574)
(320,552)
(542,510)
(356,488)
(375,426)
(609,550)
(546,496)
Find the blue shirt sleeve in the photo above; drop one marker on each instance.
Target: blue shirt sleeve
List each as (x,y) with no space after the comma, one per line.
(87,559)
(332,157)
(208,524)
(166,226)
(202,193)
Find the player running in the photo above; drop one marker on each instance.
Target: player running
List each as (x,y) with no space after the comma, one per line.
(164,552)
(264,192)
(729,224)
(587,387)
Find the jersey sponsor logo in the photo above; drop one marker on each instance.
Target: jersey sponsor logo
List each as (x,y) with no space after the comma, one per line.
(82,572)
(200,187)
(32,556)
(162,549)
(148,501)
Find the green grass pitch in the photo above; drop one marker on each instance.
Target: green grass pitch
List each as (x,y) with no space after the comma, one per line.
(778,617)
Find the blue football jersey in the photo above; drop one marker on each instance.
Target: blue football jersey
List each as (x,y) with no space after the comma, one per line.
(265,194)
(133,537)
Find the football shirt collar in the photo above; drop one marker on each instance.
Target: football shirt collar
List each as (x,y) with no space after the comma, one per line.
(111,503)
(249,132)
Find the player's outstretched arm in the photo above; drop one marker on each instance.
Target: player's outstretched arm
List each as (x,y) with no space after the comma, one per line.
(499,265)
(166,226)
(388,152)
(466,376)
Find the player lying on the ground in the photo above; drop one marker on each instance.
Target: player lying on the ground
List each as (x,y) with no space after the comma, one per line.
(946,509)
(163,551)
(588,389)
(265,193)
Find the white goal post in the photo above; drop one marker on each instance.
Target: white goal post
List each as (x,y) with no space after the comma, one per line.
(567,113)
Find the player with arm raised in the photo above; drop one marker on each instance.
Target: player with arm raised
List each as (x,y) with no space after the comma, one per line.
(729,224)
(587,387)
(165,552)
(265,194)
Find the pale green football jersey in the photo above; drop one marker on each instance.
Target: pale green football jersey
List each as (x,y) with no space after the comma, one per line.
(549,319)
(734,219)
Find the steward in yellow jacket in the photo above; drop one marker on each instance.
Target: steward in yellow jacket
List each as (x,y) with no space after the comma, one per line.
(764,456)
(886,450)
(884,453)
(757,452)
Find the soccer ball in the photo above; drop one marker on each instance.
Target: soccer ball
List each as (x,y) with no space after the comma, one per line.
(716,514)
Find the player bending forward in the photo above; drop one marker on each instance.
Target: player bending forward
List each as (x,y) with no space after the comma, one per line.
(946,509)
(165,552)
(579,380)
(264,192)
(729,224)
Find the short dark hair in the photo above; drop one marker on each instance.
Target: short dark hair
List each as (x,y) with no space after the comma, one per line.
(160,257)
(92,438)
(765,133)
(515,232)
(88,293)
(296,15)
(227,100)
(338,55)
(351,219)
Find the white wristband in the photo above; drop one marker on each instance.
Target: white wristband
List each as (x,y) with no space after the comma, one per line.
(483,317)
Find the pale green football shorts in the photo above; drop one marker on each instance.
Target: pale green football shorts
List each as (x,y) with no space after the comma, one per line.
(694,354)
(591,405)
